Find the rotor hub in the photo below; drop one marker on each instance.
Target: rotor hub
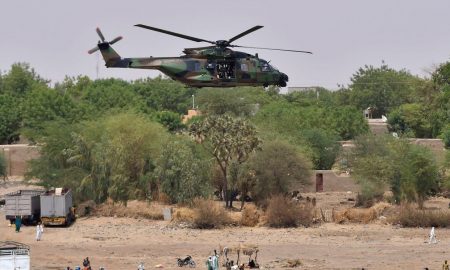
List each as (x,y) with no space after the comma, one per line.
(222,43)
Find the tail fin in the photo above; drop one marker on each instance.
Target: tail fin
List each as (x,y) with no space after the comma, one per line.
(112,58)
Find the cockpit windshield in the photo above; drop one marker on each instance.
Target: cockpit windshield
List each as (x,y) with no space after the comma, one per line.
(265,66)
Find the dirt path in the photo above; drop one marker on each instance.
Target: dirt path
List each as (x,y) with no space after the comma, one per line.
(121,243)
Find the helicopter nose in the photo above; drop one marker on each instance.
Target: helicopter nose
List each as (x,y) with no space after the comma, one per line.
(283,79)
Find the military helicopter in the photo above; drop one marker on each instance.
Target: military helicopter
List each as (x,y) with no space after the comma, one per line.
(211,66)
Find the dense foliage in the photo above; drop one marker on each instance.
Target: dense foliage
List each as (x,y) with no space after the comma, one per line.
(410,171)
(278,168)
(117,139)
(182,173)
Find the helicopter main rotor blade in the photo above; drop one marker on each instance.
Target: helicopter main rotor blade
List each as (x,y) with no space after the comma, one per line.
(174,34)
(272,49)
(245,33)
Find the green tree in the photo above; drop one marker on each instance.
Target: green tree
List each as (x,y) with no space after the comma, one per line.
(441,77)
(171,120)
(347,121)
(324,148)
(318,96)
(112,94)
(20,80)
(161,94)
(446,136)
(409,170)
(44,104)
(381,88)
(9,119)
(111,157)
(277,168)
(411,118)
(181,174)
(241,101)
(228,140)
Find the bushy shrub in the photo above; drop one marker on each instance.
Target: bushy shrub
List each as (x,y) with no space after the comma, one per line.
(278,167)
(446,136)
(133,209)
(411,217)
(250,216)
(209,215)
(282,212)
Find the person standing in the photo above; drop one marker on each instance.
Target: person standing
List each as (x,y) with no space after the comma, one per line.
(445,266)
(215,261)
(39,231)
(209,263)
(18,223)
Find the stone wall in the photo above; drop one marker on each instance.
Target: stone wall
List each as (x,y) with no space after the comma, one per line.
(331,182)
(17,156)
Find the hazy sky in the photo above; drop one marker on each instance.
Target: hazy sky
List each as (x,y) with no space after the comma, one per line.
(54,35)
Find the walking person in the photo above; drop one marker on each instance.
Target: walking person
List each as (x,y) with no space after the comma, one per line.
(39,231)
(18,223)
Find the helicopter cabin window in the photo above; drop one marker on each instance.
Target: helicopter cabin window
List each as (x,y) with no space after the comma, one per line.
(197,66)
(244,67)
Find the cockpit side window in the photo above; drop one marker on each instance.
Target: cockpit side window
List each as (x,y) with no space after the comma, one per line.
(265,67)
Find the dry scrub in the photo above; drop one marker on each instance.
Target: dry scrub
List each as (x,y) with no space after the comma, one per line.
(208,215)
(250,216)
(134,209)
(282,212)
(411,217)
(183,214)
(359,215)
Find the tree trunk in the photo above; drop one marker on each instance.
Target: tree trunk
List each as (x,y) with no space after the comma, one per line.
(420,202)
(225,187)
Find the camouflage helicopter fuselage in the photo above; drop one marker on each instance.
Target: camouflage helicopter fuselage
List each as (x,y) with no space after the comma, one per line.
(204,67)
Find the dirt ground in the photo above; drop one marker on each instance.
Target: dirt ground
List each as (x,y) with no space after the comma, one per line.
(121,243)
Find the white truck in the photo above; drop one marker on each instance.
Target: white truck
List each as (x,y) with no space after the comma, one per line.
(14,256)
(56,207)
(24,203)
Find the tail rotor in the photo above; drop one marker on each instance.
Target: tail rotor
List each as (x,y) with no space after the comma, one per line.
(102,41)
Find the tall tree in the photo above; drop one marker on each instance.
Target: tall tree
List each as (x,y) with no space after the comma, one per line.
(20,80)
(278,167)
(381,88)
(182,175)
(9,118)
(228,140)
(409,170)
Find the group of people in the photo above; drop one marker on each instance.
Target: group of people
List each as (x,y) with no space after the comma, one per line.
(213,263)
(39,227)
